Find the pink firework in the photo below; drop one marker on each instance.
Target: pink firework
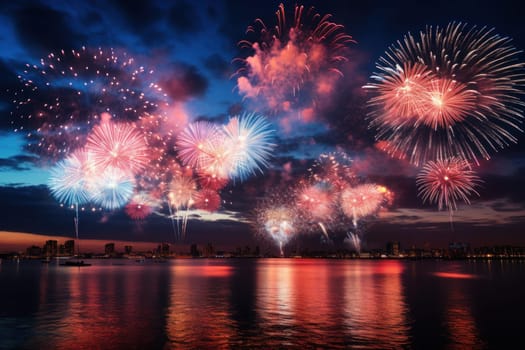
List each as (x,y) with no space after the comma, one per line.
(361,201)
(315,201)
(279,224)
(275,218)
(182,191)
(446,181)
(197,143)
(297,60)
(207,199)
(333,170)
(140,206)
(118,145)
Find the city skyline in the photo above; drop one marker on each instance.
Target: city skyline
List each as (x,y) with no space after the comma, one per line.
(191,51)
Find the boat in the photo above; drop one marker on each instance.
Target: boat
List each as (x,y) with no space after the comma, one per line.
(75,263)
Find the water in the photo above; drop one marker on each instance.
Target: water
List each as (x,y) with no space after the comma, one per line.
(262,304)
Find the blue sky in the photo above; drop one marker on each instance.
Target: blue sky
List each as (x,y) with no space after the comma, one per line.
(191,47)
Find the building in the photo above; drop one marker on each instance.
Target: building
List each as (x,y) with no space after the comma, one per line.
(51,248)
(208,250)
(194,252)
(458,249)
(69,247)
(34,251)
(393,248)
(164,249)
(109,249)
(128,249)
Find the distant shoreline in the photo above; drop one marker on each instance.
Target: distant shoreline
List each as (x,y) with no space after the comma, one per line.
(19,241)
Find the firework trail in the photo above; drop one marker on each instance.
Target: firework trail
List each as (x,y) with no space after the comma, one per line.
(63,95)
(316,203)
(354,240)
(119,145)
(294,63)
(444,182)
(182,190)
(448,92)
(69,181)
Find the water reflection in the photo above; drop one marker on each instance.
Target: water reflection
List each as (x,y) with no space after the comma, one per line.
(459,321)
(260,303)
(199,300)
(82,308)
(375,309)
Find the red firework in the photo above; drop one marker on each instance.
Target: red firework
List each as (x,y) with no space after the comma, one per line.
(315,201)
(450,91)
(207,199)
(362,200)
(140,206)
(293,62)
(446,181)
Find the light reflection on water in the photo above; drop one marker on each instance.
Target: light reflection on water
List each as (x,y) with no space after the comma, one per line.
(259,303)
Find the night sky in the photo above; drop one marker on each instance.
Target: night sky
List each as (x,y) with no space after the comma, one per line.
(191,47)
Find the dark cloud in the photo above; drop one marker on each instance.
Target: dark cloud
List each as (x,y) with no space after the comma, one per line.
(235,109)
(184,82)
(137,14)
(240,15)
(218,66)
(42,29)
(47,217)
(8,83)
(502,206)
(183,18)
(19,162)
(439,235)
(510,187)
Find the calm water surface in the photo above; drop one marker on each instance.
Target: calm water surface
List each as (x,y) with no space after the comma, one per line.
(262,303)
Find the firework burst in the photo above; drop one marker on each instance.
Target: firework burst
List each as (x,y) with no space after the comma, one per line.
(276,219)
(249,138)
(70,178)
(315,201)
(362,201)
(118,145)
(334,170)
(293,62)
(447,92)
(112,188)
(444,182)
(196,144)
(66,92)
(140,206)
(207,199)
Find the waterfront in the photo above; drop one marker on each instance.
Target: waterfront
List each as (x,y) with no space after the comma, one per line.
(262,303)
